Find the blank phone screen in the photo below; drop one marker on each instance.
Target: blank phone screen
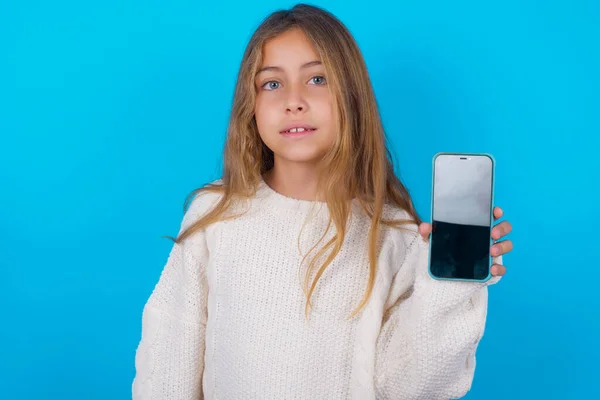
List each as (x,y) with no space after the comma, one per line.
(462,196)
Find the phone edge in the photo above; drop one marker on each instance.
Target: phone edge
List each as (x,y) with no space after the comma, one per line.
(491,258)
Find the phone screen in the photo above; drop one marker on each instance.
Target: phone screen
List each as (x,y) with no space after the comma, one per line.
(462,207)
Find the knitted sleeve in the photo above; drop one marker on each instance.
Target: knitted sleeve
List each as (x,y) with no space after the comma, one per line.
(169,359)
(430,332)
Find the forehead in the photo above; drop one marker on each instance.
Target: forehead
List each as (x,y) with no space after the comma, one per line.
(289,48)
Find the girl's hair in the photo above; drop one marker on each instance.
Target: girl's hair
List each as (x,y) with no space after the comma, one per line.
(359,164)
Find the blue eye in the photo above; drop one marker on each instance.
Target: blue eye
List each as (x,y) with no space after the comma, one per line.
(271,85)
(318,80)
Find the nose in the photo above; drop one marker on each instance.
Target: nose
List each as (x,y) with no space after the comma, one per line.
(295,102)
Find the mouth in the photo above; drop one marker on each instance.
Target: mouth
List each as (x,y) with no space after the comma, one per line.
(298,130)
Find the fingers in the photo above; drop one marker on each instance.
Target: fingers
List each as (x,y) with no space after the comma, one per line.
(425,230)
(501,248)
(498,213)
(502,229)
(498,270)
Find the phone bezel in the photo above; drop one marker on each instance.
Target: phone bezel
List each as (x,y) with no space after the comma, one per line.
(491,259)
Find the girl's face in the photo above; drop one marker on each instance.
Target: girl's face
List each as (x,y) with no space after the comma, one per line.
(294,110)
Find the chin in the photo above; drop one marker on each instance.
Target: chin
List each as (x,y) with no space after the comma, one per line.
(299,156)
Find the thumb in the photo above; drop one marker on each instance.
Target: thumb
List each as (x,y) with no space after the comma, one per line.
(425,230)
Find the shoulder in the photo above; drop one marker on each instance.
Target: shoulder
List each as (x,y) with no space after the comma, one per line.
(404,229)
(200,202)
(403,238)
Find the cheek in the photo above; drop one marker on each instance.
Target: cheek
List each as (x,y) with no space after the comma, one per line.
(325,115)
(322,106)
(267,119)
(328,117)
(260,110)
(264,111)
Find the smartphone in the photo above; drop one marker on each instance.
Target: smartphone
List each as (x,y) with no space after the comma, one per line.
(462,216)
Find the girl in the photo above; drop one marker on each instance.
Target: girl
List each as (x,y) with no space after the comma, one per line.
(302,273)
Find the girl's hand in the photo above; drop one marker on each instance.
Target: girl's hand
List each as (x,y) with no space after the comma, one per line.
(498,232)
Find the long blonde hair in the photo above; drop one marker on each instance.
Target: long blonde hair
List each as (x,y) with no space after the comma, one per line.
(359,164)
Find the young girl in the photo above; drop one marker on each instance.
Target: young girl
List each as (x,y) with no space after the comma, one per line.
(302,273)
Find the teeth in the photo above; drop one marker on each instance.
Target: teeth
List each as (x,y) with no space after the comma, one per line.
(294,130)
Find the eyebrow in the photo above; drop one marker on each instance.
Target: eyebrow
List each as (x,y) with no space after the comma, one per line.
(279,69)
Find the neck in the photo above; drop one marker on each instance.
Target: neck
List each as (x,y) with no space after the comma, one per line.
(298,181)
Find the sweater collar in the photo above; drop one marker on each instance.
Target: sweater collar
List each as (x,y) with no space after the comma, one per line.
(271,196)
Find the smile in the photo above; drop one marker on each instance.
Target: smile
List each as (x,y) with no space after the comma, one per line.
(297,133)
(297,130)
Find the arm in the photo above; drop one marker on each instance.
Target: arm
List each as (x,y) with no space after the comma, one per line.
(430,332)
(169,360)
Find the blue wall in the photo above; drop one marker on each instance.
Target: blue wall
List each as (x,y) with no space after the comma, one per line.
(111,113)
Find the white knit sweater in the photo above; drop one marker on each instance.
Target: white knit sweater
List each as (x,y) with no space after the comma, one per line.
(226,319)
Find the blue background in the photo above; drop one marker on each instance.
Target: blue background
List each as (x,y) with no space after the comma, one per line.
(111,113)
